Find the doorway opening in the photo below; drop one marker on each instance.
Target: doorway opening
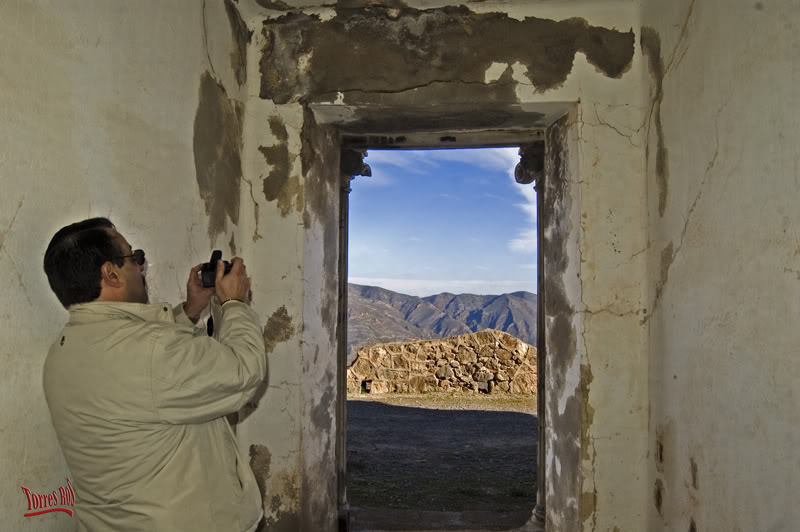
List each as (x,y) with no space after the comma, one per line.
(437,419)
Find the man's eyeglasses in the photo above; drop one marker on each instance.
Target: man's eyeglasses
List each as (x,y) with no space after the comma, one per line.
(137,256)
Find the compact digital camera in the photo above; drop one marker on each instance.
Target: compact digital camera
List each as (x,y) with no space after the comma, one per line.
(209,269)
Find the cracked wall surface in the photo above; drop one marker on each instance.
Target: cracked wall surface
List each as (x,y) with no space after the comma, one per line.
(563,407)
(320,158)
(423,49)
(133,153)
(270,219)
(98,104)
(418,78)
(217,144)
(723,258)
(295,208)
(676,233)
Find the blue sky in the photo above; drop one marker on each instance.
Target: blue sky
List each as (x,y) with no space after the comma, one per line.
(434,221)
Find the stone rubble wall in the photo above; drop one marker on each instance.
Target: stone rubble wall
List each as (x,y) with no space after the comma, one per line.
(487,361)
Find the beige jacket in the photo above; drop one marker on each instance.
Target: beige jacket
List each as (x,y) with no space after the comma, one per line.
(137,396)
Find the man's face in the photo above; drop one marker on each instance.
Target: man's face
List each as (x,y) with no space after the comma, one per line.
(132,273)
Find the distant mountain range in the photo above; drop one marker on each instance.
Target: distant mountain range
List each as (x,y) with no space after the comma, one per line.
(377,315)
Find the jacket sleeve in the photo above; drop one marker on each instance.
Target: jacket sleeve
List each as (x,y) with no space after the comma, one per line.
(196,378)
(180,316)
(182,319)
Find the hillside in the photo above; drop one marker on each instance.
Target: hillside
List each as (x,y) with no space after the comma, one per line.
(377,315)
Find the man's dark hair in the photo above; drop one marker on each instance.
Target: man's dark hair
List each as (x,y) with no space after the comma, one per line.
(74,256)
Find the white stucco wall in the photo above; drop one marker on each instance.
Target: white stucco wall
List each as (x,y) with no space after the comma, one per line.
(97,105)
(604,281)
(277,243)
(723,340)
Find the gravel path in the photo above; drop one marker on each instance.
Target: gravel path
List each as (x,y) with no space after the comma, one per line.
(443,452)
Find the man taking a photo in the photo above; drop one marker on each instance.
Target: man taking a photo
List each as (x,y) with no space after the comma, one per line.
(138,395)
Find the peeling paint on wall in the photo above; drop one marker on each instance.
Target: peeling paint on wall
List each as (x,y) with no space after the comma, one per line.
(320,149)
(232,245)
(659,452)
(307,154)
(279,328)
(421,48)
(260,460)
(284,504)
(281,184)
(587,412)
(589,506)
(665,461)
(321,201)
(651,48)
(317,496)
(321,413)
(589,452)
(277,5)
(217,145)
(355,4)
(563,422)
(241,38)
(658,495)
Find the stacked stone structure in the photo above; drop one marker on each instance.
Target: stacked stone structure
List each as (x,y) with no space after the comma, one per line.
(487,361)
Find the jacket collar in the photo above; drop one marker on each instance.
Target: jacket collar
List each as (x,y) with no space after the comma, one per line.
(105,310)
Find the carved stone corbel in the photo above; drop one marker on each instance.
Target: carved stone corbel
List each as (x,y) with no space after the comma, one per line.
(352,163)
(531,163)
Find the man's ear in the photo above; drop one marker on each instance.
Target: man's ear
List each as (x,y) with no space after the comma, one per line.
(110,275)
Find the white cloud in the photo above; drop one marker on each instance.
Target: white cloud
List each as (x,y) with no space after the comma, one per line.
(526,239)
(421,161)
(376,180)
(405,160)
(427,287)
(525,242)
(495,159)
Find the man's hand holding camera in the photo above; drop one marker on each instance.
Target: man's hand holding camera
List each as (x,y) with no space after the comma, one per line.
(234,285)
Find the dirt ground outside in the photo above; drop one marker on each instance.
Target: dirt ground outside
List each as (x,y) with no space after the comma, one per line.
(451,452)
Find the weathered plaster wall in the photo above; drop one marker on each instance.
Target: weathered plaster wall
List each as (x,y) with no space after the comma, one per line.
(563,406)
(121,104)
(724,254)
(108,109)
(414,76)
(320,158)
(141,113)
(291,214)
